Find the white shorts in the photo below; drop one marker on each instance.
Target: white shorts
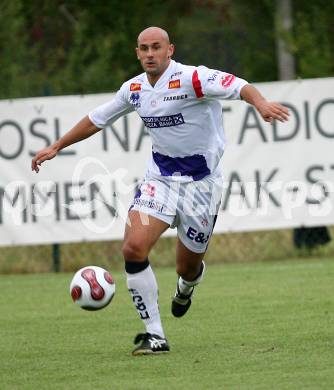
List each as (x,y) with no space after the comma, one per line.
(191,207)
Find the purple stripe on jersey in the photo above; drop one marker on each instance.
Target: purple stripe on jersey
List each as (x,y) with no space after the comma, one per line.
(194,165)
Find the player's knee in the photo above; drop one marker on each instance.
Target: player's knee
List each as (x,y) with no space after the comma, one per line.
(134,251)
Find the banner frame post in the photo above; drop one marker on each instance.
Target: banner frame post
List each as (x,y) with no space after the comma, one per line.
(56,258)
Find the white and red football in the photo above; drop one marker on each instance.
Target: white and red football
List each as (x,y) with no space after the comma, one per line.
(92,288)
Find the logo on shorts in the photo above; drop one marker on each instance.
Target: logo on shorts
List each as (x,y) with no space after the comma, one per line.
(149,203)
(174,84)
(149,189)
(135,87)
(196,236)
(204,222)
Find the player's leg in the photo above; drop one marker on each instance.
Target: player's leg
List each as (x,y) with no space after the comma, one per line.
(138,240)
(197,215)
(190,268)
(140,237)
(188,263)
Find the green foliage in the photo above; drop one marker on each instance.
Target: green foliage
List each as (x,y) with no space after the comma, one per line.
(52,47)
(259,326)
(15,62)
(314,38)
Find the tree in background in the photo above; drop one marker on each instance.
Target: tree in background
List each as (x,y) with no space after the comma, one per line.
(54,47)
(15,56)
(313,38)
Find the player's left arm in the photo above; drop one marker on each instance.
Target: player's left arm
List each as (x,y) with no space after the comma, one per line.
(268,110)
(217,84)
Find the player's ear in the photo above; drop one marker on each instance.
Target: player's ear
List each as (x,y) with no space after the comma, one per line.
(170,50)
(137,51)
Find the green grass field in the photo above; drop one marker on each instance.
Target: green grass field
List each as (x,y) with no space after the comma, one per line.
(251,326)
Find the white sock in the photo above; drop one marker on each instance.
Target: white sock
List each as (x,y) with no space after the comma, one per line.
(186,287)
(144,291)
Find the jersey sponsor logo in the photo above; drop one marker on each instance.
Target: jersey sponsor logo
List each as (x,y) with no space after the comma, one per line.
(135,99)
(175,97)
(227,80)
(213,77)
(135,87)
(176,74)
(153,122)
(174,84)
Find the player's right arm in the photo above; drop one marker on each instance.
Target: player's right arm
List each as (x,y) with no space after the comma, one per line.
(89,125)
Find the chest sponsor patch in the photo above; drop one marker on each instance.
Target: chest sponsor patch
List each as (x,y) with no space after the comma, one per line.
(174,84)
(153,122)
(135,87)
(175,97)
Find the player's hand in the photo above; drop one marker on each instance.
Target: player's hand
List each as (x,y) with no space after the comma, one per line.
(270,111)
(43,155)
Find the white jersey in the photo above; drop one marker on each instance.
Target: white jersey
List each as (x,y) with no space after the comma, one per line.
(182,115)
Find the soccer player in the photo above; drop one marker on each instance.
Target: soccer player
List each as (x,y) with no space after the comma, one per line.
(183,183)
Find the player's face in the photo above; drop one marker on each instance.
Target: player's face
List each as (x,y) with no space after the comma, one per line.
(154,53)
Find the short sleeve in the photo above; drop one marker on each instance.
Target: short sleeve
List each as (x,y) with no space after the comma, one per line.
(109,112)
(215,83)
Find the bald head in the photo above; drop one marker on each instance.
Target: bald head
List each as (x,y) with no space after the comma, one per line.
(153,33)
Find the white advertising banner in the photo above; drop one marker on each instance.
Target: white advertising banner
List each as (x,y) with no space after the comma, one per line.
(275,175)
